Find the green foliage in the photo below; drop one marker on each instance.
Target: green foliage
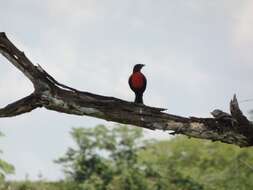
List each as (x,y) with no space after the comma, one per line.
(108,158)
(39,185)
(104,156)
(117,158)
(212,165)
(5,167)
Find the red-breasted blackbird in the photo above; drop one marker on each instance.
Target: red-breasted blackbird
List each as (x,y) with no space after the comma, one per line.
(137,82)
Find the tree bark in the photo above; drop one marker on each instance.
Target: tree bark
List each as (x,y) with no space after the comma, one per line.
(232,128)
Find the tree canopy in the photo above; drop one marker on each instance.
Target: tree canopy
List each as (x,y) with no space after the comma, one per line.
(119,158)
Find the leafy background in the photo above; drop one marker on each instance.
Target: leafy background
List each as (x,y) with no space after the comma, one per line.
(119,158)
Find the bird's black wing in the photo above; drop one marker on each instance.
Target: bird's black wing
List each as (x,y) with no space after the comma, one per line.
(144,84)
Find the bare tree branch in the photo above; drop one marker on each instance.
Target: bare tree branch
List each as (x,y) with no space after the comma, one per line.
(232,128)
(24,105)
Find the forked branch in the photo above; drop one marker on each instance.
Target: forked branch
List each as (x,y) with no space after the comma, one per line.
(232,128)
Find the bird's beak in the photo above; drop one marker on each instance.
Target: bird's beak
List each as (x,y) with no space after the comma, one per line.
(142,65)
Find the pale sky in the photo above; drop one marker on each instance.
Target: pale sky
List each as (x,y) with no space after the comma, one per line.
(197,55)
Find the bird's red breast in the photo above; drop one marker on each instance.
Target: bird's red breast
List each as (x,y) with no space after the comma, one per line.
(137,80)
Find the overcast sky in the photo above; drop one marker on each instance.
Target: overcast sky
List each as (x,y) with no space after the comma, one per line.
(197,55)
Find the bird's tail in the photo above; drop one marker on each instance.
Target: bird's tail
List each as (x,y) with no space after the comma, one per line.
(138,98)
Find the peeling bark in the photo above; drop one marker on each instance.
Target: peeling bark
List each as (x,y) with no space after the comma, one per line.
(232,128)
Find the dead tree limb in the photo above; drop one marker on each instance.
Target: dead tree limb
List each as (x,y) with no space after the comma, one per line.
(232,128)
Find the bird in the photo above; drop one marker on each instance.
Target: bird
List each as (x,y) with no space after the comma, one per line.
(138,82)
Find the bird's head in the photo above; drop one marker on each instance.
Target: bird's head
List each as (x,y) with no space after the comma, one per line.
(138,67)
